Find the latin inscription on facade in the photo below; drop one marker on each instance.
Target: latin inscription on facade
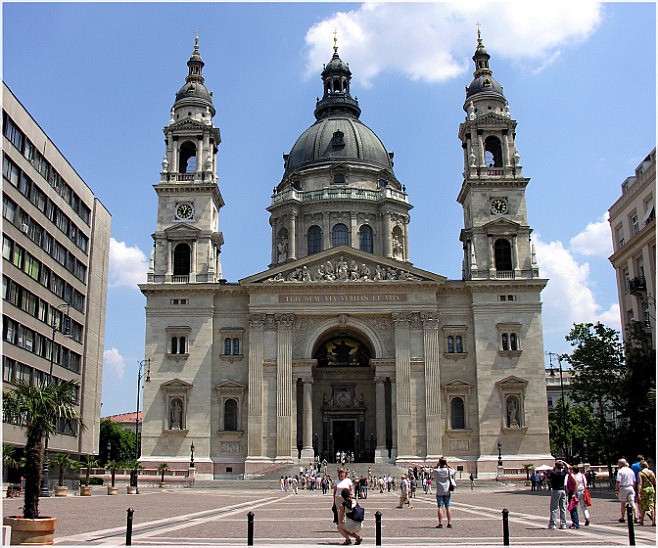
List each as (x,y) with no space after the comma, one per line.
(331,299)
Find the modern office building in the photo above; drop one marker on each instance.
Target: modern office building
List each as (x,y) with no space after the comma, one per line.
(55,251)
(633,223)
(341,344)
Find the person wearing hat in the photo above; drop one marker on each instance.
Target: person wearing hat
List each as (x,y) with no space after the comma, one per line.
(625,488)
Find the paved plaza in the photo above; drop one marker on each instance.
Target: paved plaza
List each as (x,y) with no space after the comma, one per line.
(218,517)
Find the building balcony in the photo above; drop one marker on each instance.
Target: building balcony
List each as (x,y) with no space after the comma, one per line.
(331,194)
(637,285)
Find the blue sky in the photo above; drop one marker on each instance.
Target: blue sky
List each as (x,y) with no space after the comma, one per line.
(580,79)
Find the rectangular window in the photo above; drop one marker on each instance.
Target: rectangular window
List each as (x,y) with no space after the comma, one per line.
(9,209)
(635,224)
(7,246)
(17,258)
(8,369)
(32,267)
(10,171)
(12,133)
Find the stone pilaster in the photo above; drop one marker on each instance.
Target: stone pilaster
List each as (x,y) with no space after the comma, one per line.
(307,421)
(403,384)
(434,430)
(284,396)
(255,401)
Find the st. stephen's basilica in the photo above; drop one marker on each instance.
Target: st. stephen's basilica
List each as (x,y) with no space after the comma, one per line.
(341,344)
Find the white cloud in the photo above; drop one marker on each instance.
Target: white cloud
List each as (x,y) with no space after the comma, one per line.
(116,363)
(568,297)
(128,265)
(595,240)
(425,41)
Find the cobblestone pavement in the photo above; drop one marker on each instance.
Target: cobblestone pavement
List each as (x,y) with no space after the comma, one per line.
(218,517)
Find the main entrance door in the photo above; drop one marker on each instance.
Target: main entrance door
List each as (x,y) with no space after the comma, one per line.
(343,431)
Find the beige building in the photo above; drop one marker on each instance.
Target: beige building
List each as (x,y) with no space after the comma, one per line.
(341,344)
(55,250)
(633,223)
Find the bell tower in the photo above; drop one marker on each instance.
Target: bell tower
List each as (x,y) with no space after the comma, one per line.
(496,236)
(187,243)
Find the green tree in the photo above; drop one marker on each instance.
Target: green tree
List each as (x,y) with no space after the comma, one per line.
(89,462)
(37,408)
(580,435)
(63,461)
(599,379)
(122,442)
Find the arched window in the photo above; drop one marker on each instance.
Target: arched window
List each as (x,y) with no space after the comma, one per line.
(227,346)
(231,415)
(340,235)
(187,158)
(503,254)
(365,239)
(504,341)
(459,347)
(236,346)
(493,152)
(314,240)
(457,416)
(182,259)
(513,341)
(451,344)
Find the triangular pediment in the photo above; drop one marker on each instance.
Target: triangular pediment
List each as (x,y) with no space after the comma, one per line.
(188,123)
(175,384)
(181,230)
(512,382)
(343,264)
(501,225)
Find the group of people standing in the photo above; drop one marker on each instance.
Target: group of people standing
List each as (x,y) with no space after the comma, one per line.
(636,485)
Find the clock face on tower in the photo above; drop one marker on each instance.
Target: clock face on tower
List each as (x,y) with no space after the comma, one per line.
(184,210)
(499,205)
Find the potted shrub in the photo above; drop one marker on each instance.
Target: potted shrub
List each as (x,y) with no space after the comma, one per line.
(112,466)
(34,408)
(135,468)
(63,461)
(162,468)
(88,462)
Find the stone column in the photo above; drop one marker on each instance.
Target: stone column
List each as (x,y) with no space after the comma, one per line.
(492,258)
(275,253)
(434,430)
(326,231)
(307,410)
(292,237)
(515,257)
(381,454)
(255,401)
(284,388)
(403,382)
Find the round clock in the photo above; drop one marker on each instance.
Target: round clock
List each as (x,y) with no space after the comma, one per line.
(184,210)
(498,205)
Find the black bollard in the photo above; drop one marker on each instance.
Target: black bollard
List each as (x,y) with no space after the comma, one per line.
(505,527)
(250,529)
(129,527)
(378,528)
(631,525)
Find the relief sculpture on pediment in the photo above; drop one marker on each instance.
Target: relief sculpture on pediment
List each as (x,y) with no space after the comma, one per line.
(341,270)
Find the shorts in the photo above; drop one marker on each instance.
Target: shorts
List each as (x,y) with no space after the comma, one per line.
(626,494)
(443,500)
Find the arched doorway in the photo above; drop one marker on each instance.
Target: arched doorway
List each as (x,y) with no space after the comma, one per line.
(344,407)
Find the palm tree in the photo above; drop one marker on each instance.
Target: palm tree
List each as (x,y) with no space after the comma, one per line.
(89,462)
(113,466)
(63,461)
(162,468)
(37,409)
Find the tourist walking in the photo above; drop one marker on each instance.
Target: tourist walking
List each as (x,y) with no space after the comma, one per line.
(646,489)
(405,492)
(556,480)
(340,483)
(582,492)
(444,481)
(572,498)
(625,489)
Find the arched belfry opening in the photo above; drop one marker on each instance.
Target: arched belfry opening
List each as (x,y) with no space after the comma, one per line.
(344,404)
(493,152)
(187,159)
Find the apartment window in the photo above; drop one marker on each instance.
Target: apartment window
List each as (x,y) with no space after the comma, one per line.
(635,224)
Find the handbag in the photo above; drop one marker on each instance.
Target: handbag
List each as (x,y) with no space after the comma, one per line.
(453,483)
(573,503)
(587,497)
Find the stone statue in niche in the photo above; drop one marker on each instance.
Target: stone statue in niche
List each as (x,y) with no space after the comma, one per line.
(513,418)
(282,248)
(176,415)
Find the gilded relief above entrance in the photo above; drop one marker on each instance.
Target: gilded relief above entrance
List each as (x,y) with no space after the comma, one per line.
(341,352)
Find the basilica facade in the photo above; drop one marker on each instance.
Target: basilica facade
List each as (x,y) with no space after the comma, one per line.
(341,344)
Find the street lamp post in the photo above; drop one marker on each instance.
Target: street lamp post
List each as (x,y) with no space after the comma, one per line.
(500,455)
(192,455)
(45,489)
(141,372)
(563,410)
